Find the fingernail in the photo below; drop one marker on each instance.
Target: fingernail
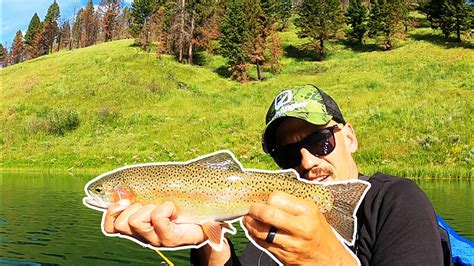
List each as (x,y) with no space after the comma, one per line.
(124,202)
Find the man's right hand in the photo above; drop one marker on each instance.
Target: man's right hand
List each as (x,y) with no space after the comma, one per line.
(155,225)
(151,224)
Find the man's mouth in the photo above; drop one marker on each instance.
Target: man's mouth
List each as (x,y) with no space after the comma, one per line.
(322,178)
(319,178)
(318,174)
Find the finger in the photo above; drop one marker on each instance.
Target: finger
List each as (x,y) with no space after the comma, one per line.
(167,209)
(256,229)
(112,213)
(161,219)
(289,203)
(140,224)
(259,232)
(272,216)
(121,223)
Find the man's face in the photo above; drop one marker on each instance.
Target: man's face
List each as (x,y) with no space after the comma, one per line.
(335,166)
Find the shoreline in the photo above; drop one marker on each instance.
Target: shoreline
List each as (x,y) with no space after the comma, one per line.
(414,173)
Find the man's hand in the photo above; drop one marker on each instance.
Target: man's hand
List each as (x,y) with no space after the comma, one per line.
(151,224)
(304,237)
(155,225)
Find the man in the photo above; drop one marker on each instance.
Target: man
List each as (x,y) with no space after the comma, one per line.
(307,132)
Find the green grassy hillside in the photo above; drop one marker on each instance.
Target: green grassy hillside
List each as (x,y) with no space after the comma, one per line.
(112,104)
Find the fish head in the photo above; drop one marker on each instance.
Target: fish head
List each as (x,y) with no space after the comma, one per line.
(106,190)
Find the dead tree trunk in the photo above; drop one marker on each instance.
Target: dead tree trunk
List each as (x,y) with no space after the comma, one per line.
(191,38)
(181,31)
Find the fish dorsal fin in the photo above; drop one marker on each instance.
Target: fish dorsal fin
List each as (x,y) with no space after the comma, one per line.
(289,174)
(223,160)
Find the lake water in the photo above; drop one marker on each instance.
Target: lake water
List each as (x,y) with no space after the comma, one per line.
(43,221)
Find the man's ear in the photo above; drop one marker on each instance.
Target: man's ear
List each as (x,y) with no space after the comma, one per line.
(350,138)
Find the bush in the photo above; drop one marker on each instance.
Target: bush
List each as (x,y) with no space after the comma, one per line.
(55,122)
(107,115)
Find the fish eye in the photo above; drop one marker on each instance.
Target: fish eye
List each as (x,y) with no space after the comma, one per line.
(98,189)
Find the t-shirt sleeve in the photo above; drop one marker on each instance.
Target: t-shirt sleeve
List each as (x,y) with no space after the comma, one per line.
(406,228)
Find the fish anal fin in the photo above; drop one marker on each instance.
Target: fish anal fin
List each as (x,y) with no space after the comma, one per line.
(224,160)
(215,233)
(228,226)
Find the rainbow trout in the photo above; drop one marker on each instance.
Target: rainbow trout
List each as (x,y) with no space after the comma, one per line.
(215,188)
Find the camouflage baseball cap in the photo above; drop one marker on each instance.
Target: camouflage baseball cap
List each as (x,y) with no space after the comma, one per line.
(305,102)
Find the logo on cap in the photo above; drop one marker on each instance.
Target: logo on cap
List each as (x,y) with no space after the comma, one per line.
(283,98)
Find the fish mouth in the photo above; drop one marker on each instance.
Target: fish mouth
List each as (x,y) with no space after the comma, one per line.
(95,202)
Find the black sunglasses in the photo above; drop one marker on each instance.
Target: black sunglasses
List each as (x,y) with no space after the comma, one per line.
(321,142)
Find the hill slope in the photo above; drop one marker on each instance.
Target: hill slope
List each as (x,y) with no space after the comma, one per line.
(111,104)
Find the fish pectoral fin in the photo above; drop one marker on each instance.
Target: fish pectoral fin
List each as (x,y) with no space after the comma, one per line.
(215,234)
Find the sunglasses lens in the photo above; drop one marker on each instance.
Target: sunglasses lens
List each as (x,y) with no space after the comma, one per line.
(319,143)
(287,156)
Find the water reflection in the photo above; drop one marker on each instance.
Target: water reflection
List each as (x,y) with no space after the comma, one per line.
(453,200)
(43,221)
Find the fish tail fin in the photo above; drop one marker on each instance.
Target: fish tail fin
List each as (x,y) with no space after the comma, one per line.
(215,233)
(347,198)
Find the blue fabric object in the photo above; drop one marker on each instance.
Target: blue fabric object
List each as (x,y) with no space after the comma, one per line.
(462,249)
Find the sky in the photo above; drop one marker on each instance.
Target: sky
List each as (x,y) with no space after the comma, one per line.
(16,14)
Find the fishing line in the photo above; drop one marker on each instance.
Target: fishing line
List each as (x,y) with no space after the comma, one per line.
(164,258)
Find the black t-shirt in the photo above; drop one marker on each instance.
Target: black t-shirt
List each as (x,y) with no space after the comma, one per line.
(396,226)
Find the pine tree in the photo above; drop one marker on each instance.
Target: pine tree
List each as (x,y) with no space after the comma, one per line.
(261,17)
(77,29)
(53,12)
(50,27)
(40,43)
(455,17)
(122,27)
(191,25)
(109,10)
(89,25)
(256,33)
(3,56)
(319,20)
(157,32)
(204,17)
(433,10)
(33,28)
(357,17)
(142,11)
(376,18)
(65,35)
(275,52)
(284,9)
(387,19)
(18,48)
(234,35)
(208,25)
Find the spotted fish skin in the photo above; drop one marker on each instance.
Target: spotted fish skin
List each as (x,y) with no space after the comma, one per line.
(216,188)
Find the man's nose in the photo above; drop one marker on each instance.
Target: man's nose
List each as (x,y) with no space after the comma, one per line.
(308,160)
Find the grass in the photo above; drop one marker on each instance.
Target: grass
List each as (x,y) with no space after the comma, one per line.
(412,107)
